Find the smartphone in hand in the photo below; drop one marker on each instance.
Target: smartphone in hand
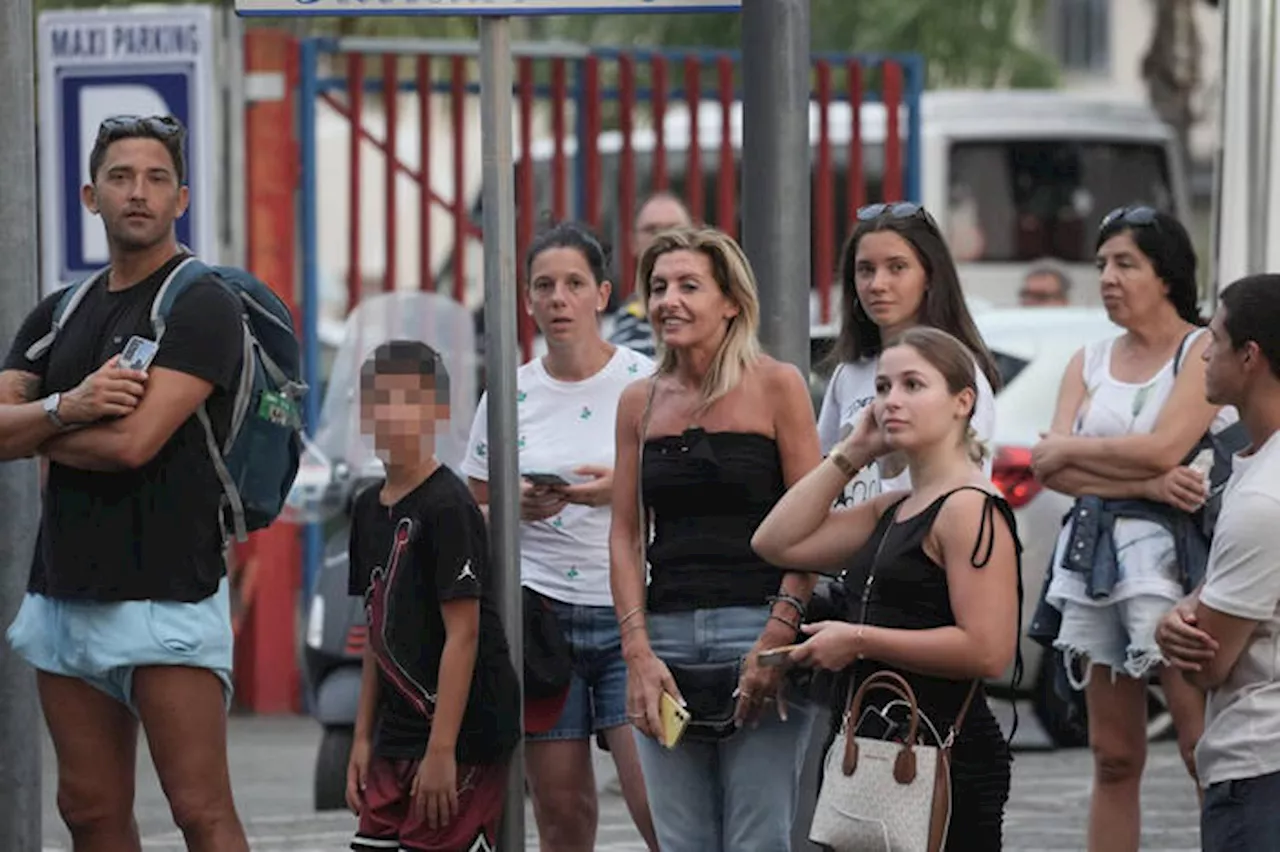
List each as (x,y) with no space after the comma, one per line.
(547,480)
(674,720)
(776,657)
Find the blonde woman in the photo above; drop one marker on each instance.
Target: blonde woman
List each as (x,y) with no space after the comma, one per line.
(725,429)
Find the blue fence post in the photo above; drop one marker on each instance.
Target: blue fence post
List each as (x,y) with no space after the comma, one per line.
(312,538)
(915,69)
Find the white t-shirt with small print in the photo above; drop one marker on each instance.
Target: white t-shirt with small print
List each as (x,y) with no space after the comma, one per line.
(562,426)
(851,389)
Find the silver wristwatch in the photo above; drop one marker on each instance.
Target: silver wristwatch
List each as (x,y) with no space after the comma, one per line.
(50,406)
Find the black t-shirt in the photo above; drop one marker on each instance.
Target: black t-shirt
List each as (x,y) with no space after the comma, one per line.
(406,560)
(151,533)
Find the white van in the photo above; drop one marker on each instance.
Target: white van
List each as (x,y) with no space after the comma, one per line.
(1011,175)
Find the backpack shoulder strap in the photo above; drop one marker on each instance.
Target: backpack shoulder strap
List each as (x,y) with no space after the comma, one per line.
(1180,355)
(186,273)
(71,298)
(183,276)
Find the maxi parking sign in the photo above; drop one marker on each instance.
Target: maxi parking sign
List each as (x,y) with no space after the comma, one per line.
(97,63)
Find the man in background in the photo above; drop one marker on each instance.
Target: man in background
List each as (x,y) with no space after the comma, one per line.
(660,212)
(1046,284)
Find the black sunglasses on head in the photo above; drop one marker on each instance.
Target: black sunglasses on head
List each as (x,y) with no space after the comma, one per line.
(161,126)
(1140,216)
(895,210)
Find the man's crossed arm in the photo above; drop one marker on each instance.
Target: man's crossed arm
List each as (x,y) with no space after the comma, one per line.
(144,411)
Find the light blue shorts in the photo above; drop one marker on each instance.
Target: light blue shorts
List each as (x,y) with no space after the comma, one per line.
(102,643)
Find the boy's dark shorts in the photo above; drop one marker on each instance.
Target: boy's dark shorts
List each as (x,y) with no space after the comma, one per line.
(385,823)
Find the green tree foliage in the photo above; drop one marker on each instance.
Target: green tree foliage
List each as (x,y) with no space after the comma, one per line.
(969,43)
(980,43)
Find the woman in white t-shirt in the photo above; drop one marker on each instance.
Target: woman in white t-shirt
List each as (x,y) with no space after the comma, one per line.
(896,272)
(567,403)
(1130,410)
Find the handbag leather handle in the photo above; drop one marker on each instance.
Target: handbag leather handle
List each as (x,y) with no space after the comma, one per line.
(887,681)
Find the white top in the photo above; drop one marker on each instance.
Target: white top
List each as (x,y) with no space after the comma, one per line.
(1144,549)
(1241,736)
(562,426)
(851,389)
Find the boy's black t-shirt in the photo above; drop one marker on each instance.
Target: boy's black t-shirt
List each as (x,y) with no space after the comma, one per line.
(150,533)
(406,560)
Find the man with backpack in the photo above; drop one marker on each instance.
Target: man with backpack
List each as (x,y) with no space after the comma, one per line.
(142,387)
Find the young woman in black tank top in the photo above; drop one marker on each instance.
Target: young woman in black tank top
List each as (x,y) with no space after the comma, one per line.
(709,444)
(942,608)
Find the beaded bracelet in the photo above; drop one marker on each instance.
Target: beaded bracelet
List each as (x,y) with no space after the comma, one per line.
(792,601)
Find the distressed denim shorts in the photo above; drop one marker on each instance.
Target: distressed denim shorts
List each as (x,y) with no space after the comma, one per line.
(103,643)
(1119,635)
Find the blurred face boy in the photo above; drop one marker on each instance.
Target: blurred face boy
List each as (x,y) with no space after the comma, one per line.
(404,395)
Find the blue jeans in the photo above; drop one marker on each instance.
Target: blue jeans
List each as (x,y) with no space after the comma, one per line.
(737,795)
(1242,815)
(597,697)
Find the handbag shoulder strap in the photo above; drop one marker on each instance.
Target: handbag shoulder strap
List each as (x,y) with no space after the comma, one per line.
(964,711)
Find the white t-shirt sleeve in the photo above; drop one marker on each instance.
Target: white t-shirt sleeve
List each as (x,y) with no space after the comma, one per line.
(1243,577)
(475,463)
(829,415)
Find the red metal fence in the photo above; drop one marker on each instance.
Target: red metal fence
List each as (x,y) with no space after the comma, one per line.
(596,131)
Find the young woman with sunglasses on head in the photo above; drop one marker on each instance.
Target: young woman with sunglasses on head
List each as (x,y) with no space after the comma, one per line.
(1130,410)
(897,272)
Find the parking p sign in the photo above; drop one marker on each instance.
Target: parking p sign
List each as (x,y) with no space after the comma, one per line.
(99,63)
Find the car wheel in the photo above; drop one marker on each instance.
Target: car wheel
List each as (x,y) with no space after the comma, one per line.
(1159,719)
(1060,712)
(331,768)
(1063,713)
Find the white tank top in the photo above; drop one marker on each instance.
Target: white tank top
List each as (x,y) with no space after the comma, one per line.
(1112,408)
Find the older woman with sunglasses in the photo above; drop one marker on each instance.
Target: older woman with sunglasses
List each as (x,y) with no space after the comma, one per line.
(1130,410)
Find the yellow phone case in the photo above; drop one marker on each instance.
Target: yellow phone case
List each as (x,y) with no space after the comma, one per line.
(674,719)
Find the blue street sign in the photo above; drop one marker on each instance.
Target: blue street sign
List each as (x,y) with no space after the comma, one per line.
(99,63)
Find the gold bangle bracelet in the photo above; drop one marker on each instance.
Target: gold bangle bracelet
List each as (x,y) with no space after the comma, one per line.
(843,463)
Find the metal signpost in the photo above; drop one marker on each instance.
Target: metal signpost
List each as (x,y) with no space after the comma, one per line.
(501,355)
(101,62)
(20,781)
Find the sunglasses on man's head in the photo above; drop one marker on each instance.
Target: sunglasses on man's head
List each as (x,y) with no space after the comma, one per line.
(1140,216)
(161,126)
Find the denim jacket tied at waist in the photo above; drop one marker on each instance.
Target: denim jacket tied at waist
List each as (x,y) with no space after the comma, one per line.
(1091,547)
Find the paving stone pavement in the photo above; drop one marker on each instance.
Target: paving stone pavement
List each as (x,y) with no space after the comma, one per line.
(272,761)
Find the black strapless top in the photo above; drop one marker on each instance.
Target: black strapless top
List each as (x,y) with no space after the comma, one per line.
(708,492)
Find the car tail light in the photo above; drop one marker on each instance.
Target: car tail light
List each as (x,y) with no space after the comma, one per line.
(357,636)
(1011,473)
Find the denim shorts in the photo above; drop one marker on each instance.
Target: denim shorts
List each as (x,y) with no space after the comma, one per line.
(102,643)
(597,697)
(1120,636)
